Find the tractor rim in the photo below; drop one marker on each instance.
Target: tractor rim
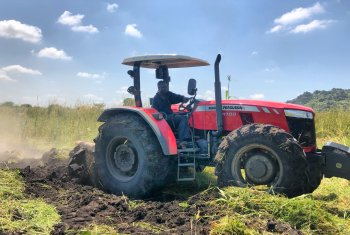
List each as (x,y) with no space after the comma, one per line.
(257,164)
(122,159)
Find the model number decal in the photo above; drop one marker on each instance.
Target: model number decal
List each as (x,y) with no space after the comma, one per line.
(229,114)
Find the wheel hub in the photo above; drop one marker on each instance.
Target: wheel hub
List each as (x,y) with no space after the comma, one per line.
(260,169)
(124,158)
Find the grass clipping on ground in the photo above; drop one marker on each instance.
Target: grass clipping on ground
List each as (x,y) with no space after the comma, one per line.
(326,211)
(19,214)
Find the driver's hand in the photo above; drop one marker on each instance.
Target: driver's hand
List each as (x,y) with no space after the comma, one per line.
(185,99)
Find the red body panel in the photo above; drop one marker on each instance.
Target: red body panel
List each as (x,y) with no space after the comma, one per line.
(265,112)
(164,129)
(160,128)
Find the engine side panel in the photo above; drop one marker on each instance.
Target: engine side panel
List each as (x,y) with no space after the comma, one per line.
(237,113)
(205,116)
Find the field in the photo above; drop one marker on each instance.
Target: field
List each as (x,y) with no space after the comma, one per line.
(42,199)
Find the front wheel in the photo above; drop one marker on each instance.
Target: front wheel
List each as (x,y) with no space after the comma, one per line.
(260,154)
(128,157)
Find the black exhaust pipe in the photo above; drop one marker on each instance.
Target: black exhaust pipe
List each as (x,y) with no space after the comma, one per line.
(219,119)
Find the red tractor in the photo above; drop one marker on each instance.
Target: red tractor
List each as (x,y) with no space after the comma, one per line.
(249,142)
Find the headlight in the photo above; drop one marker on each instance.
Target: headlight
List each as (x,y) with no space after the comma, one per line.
(298,113)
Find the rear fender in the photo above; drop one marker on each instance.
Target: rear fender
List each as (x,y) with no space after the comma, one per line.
(337,160)
(160,128)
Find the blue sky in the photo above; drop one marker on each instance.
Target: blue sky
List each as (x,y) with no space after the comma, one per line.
(70,51)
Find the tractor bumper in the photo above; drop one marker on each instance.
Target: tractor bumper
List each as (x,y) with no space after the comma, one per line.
(336,160)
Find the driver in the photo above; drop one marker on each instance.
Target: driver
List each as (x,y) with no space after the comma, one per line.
(162,102)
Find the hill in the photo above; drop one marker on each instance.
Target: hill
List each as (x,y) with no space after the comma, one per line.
(324,100)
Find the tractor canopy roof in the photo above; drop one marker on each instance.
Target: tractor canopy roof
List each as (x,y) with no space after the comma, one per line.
(169,60)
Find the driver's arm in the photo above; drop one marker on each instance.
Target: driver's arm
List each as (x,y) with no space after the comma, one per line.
(155,103)
(185,99)
(175,98)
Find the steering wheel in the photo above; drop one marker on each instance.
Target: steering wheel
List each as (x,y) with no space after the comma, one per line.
(187,107)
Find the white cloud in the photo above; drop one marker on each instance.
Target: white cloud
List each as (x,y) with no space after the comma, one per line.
(207,95)
(271,69)
(75,22)
(113,103)
(123,91)
(20,69)
(315,24)
(269,81)
(87,29)
(18,30)
(254,53)
(30,99)
(210,94)
(132,31)
(275,29)
(258,96)
(93,98)
(53,53)
(7,72)
(5,78)
(299,14)
(68,18)
(92,76)
(287,20)
(112,7)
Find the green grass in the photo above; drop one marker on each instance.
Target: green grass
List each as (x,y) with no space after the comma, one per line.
(19,214)
(11,185)
(334,193)
(232,225)
(303,212)
(333,126)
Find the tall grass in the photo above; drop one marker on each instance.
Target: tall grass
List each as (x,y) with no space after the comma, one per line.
(54,126)
(333,126)
(60,127)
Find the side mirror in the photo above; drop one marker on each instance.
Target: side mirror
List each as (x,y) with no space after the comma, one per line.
(131,90)
(192,86)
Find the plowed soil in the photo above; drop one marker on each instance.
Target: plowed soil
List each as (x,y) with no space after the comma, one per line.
(81,205)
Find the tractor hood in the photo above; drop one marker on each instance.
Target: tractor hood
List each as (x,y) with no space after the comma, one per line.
(260,103)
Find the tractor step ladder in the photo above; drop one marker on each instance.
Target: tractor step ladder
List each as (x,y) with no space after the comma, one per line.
(186,164)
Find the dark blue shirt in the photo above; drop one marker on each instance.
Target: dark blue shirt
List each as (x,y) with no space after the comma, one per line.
(163,103)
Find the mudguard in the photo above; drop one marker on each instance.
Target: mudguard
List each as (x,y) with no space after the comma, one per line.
(160,128)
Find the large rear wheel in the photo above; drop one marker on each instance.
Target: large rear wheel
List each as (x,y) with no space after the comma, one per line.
(260,154)
(128,157)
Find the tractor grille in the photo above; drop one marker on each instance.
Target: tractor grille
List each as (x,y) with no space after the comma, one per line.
(303,130)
